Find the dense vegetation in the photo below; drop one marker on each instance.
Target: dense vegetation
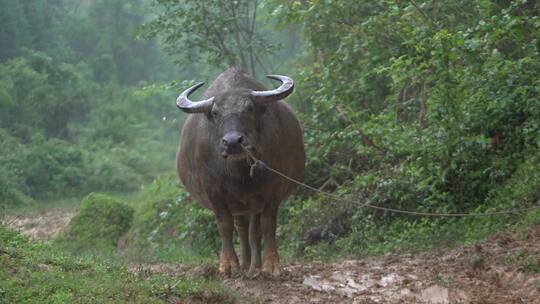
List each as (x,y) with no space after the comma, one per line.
(74,116)
(98,226)
(422,105)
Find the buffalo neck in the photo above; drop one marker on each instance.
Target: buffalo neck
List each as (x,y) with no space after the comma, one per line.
(236,175)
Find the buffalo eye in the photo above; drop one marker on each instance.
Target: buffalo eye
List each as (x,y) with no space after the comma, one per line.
(250,108)
(215,113)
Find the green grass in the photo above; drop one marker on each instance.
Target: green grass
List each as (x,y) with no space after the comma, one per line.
(526,261)
(32,272)
(168,226)
(369,239)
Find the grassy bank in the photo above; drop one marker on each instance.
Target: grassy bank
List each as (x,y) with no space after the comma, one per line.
(33,272)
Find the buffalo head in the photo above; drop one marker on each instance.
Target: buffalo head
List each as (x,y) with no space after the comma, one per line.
(236,114)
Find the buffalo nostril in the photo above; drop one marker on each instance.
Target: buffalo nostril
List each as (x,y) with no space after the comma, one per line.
(232,142)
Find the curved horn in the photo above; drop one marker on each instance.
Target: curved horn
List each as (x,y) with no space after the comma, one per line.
(188,106)
(286,88)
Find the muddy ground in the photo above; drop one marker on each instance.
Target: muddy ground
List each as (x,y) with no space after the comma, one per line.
(504,269)
(42,225)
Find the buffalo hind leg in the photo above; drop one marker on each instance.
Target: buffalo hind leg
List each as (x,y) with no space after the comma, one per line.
(270,255)
(255,243)
(242,227)
(228,261)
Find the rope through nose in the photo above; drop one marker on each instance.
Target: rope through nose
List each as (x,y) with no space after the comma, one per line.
(252,161)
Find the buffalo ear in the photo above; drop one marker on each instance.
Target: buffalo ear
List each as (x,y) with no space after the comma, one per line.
(259,105)
(212,113)
(260,109)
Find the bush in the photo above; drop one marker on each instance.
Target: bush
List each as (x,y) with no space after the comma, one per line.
(98,225)
(11,174)
(437,114)
(168,218)
(52,167)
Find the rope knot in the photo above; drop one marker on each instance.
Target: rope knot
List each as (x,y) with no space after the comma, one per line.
(257,164)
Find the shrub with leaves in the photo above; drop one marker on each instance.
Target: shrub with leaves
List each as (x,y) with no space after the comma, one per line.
(98,225)
(422,105)
(169,218)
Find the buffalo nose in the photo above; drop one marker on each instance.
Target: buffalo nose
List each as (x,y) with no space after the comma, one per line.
(233,142)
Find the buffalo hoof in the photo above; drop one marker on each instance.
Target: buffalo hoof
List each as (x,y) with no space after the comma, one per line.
(244,265)
(228,266)
(271,266)
(253,273)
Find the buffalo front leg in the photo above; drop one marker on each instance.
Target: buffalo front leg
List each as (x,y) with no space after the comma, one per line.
(242,226)
(255,243)
(270,255)
(228,261)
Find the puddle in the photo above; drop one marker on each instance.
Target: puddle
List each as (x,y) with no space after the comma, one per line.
(391,287)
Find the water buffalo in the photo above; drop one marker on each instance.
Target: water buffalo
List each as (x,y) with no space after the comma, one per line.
(238,113)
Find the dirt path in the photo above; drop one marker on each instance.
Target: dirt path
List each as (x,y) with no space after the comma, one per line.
(43,225)
(504,269)
(501,270)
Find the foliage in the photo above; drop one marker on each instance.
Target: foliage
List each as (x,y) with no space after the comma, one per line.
(98,225)
(225,33)
(71,121)
(425,105)
(30,24)
(167,219)
(33,272)
(11,180)
(98,33)
(36,86)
